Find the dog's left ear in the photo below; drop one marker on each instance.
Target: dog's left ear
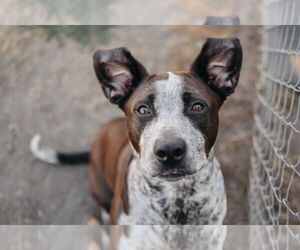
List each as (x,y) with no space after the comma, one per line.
(118,72)
(219,64)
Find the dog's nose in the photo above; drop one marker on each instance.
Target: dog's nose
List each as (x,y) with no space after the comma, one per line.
(171,151)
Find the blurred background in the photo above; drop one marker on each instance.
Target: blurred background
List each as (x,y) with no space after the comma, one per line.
(139,12)
(119,12)
(48,86)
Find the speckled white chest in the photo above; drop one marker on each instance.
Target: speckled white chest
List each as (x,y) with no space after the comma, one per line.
(167,237)
(157,229)
(195,200)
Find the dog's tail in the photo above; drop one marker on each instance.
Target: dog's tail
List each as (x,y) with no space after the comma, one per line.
(50,156)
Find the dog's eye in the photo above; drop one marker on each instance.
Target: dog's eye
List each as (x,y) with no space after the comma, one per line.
(143,110)
(198,107)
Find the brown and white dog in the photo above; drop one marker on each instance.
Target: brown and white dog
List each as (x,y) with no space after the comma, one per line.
(156,166)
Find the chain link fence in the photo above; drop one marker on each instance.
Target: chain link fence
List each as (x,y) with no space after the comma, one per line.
(275,174)
(281,12)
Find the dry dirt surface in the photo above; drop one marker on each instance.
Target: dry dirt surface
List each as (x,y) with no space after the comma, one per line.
(47,86)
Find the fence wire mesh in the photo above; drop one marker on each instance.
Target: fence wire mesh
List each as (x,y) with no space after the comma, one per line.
(281,12)
(275,174)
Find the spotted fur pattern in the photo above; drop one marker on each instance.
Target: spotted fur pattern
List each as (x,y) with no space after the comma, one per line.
(170,237)
(170,119)
(194,200)
(197,199)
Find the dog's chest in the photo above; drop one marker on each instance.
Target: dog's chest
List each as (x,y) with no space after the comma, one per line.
(196,200)
(169,237)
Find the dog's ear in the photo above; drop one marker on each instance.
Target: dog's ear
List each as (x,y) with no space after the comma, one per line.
(118,72)
(219,64)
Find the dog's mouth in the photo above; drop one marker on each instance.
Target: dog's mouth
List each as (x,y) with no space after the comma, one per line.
(173,174)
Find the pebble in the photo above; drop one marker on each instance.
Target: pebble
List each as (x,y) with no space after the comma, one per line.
(10,148)
(93,246)
(93,222)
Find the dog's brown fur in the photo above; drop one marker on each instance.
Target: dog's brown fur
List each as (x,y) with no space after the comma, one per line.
(109,161)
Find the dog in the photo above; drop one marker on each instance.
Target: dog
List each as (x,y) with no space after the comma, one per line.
(156,166)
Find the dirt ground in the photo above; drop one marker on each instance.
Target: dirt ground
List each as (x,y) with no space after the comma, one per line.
(47,86)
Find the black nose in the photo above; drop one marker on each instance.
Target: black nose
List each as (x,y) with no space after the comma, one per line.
(171,151)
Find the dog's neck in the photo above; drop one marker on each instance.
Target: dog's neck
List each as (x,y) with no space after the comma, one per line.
(196,199)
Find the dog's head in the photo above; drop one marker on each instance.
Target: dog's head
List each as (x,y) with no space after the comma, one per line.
(172,118)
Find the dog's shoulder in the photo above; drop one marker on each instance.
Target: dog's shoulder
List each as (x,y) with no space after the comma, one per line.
(110,158)
(120,200)
(107,148)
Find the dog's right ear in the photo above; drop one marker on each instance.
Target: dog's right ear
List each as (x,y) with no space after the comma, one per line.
(118,72)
